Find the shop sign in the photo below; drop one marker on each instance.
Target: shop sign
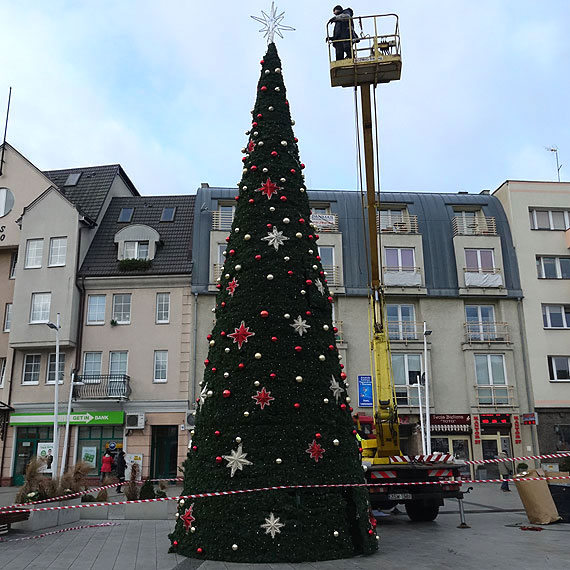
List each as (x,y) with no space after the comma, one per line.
(365,391)
(80,418)
(403,420)
(476,431)
(517,428)
(495,419)
(450,422)
(530,419)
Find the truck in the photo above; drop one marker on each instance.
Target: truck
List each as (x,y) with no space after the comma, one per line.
(394,478)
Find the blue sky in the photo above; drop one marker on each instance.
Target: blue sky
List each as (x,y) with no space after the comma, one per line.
(165,89)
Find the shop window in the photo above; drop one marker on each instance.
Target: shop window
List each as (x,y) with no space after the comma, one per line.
(94,441)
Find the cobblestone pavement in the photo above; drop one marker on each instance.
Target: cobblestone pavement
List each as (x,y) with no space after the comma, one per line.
(494,540)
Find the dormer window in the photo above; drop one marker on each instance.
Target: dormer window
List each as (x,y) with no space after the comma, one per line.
(125,215)
(136,250)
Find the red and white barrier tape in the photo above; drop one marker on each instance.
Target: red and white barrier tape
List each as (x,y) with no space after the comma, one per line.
(288,487)
(43,534)
(547,456)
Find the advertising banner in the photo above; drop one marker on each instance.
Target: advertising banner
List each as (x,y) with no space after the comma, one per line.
(44,452)
(131,459)
(89,456)
(365,391)
(79,418)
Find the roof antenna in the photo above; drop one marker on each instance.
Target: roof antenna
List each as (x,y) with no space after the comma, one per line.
(554,149)
(5,131)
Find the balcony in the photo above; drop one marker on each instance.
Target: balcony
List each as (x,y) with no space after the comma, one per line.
(338,335)
(405,330)
(483,277)
(479,226)
(396,224)
(222,221)
(408,396)
(103,387)
(217,271)
(488,395)
(402,276)
(486,331)
(333,275)
(325,222)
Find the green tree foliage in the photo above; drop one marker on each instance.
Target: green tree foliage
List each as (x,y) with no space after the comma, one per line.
(273,408)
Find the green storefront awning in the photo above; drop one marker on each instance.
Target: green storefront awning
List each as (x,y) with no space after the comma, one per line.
(79,418)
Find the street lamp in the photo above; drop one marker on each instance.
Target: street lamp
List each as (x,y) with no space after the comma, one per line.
(55,454)
(72,384)
(428,426)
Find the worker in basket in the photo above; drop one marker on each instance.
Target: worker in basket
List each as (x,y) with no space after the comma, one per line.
(343,32)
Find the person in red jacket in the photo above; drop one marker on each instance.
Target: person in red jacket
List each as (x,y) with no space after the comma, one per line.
(106,465)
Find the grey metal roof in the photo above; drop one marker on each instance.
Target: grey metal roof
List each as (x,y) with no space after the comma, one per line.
(174,252)
(91,190)
(434,212)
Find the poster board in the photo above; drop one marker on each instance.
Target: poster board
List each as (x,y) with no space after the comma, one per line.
(89,456)
(132,458)
(44,452)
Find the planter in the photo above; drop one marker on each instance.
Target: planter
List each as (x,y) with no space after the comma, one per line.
(148,511)
(47,519)
(94,513)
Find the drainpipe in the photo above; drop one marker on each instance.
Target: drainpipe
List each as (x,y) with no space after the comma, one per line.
(527,381)
(195,342)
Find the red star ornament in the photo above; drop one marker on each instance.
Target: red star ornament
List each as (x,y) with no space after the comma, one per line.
(250,146)
(315,451)
(268,189)
(241,334)
(187,518)
(263,398)
(232,285)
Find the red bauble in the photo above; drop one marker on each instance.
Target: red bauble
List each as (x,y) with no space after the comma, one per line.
(243,158)
(232,251)
(298,348)
(341,366)
(206,362)
(197,400)
(286,102)
(273,375)
(308,313)
(354,432)
(269,226)
(309,282)
(259,115)
(330,299)
(274,338)
(251,201)
(218,286)
(254,168)
(258,257)
(301,220)
(195,448)
(331,347)
(296,139)
(273,153)
(302,165)
(264,314)
(223,333)
(223,304)
(296,405)
(318,258)
(311,236)
(343,406)
(209,337)
(254,124)
(217,433)
(227,238)
(335,329)
(226,393)
(289,273)
(316,236)
(343,374)
(351,409)
(199,550)
(175,543)
(371,532)
(318,435)
(241,365)
(262,61)
(283,198)
(214,369)
(219,459)
(293,171)
(263,88)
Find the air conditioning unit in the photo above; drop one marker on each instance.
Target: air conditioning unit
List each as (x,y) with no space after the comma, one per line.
(190,419)
(135,421)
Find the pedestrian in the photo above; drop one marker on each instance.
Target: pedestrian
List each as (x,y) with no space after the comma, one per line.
(343,30)
(106,465)
(120,466)
(505,471)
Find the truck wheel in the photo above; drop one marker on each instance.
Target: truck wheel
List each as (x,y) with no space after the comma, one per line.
(422,512)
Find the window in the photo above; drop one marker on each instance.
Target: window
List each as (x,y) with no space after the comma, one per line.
(72,178)
(6,201)
(563,437)
(479,260)
(556,316)
(549,219)
(50,378)
(96,309)
(491,377)
(559,367)
(57,251)
(407,370)
(160,365)
(480,322)
(221,253)
(7,317)
(118,363)
(40,307)
(34,252)
(31,374)
(553,267)
(401,322)
(326,253)
(13,261)
(136,250)
(168,214)
(2,370)
(122,308)
(125,215)
(91,367)
(400,258)
(162,307)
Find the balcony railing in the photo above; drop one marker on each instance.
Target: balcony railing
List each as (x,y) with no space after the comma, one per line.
(499,395)
(478,226)
(339,336)
(483,277)
(325,222)
(222,220)
(408,395)
(217,271)
(103,387)
(402,276)
(333,275)
(405,330)
(486,331)
(394,224)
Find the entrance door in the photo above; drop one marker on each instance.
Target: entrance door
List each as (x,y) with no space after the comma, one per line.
(27,439)
(490,446)
(164,452)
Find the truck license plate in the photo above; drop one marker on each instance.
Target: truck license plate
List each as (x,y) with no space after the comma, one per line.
(399,496)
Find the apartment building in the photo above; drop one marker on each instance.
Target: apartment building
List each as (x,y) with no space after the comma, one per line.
(539,216)
(448,260)
(67,248)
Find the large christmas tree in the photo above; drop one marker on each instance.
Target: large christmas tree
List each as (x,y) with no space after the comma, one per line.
(274,408)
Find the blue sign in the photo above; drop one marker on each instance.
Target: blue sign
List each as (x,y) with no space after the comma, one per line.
(365,391)
(112,445)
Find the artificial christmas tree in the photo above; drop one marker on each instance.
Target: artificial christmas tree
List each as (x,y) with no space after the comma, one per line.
(273,408)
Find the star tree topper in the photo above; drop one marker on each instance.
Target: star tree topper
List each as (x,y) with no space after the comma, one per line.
(272,24)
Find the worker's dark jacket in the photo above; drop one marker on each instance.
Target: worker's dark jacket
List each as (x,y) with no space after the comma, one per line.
(342,24)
